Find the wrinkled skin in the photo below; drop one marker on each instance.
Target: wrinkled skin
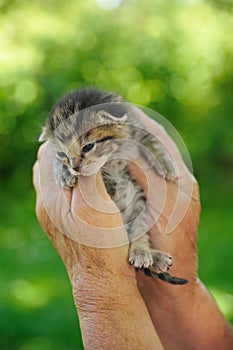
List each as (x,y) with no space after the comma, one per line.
(118,307)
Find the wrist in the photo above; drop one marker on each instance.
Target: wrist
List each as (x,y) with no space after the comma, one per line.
(96,272)
(106,297)
(194,313)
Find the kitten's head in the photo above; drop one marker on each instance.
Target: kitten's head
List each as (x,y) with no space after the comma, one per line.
(87,139)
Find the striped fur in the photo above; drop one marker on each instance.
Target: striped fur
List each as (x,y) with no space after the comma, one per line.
(94,130)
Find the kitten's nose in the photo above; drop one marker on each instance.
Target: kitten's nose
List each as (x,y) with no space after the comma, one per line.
(75,163)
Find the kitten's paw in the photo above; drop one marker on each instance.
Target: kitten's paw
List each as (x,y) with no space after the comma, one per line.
(68,180)
(63,176)
(170,172)
(165,168)
(140,257)
(162,261)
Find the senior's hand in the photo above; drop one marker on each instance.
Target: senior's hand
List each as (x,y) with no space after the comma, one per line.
(185,317)
(173,208)
(81,222)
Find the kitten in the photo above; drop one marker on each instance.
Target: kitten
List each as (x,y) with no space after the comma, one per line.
(92,130)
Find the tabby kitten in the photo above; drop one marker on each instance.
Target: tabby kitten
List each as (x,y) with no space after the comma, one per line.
(92,130)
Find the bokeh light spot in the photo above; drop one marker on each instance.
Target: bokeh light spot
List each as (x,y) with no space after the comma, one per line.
(224,301)
(27,294)
(108,4)
(26,91)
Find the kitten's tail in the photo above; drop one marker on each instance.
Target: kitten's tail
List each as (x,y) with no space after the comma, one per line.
(164,276)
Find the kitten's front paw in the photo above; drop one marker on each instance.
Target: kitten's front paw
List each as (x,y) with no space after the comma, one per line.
(140,257)
(62,175)
(162,261)
(165,168)
(68,180)
(170,172)
(65,178)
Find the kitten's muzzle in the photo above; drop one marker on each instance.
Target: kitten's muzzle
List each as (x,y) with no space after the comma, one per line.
(75,163)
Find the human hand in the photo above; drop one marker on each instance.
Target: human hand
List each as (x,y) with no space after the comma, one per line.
(102,281)
(182,315)
(173,206)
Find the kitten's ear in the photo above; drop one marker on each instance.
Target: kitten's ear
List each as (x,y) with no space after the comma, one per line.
(105,117)
(43,136)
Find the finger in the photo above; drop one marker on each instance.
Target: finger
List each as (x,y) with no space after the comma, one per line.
(167,204)
(46,161)
(167,201)
(91,194)
(55,200)
(99,221)
(154,187)
(35,175)
(41,149)
(36,166)
(159,132)
(84,213)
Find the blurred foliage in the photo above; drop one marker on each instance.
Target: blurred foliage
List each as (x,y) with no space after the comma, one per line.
(173,56)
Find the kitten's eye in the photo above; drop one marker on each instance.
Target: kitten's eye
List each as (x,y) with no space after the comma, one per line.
(61,155)
(88,147)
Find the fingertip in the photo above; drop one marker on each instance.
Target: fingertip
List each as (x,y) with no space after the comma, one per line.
(35,174)
(45,149)
(40,151)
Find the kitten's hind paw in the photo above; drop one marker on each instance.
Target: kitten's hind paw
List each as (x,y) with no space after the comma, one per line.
(140,257)
(162,261)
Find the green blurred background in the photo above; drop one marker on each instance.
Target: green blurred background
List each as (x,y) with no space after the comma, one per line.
(175,57)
